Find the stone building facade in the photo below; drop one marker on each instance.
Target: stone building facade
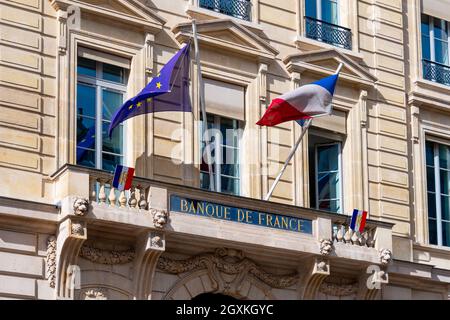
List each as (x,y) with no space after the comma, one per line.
(65,234)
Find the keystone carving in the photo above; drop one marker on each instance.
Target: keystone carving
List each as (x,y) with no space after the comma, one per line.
(80,206)
(159,217)
(326,247)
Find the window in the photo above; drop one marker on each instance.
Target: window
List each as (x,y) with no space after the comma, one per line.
(325,10)
(225,135)
(435,49)
(325,171)
(101,91)
(438,192)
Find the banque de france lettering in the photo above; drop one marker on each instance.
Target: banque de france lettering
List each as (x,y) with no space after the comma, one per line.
(217,211)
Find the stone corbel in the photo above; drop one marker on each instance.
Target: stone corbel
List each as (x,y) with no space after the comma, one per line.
(312,279)
(148,250)
(371,283)
(72,233)
(363,108)
(148,52)
(295,80)
(415,113)
(262,76)
(62,31)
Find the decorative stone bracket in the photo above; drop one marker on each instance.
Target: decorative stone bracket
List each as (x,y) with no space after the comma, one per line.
(312,279)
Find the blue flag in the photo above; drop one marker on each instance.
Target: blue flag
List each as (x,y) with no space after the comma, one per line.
(168,91)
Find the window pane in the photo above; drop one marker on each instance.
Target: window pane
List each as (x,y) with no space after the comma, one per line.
(111,102)
(228,128)
(311,8)
(204,180)
(431,205)
(330,11)
(445,207)
(441,51)
(329,186)
(204,164)
(426,50)
(444,156)
(446,234)
(328,158)
(110,161)
(425,26)
(85,132)
(115,144)
(86,100)
(86,157)
(430,153)
(430,179)
(113,73)
(86,67)
(432,231)
(229,185)
(330,205)
(440,29)
(230,162)
(445,176)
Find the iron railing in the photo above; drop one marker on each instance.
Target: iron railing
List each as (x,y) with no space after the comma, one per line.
(329,33)
(240,9)
(436,72)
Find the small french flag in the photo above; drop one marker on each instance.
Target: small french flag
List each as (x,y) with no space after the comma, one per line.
(358,220)
(123,176)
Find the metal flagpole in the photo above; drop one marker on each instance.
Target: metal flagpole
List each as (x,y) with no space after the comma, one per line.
(202,107)
(291,154)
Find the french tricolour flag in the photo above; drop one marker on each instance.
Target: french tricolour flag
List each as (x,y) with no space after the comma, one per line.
(302,103)
(123,176)
(358,220)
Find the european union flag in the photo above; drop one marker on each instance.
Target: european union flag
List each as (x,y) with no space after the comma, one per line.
(168,91)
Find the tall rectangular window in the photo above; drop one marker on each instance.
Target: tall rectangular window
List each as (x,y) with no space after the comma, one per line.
(325,10)
(325,170)
(438,191)
(101,89)
(224,135)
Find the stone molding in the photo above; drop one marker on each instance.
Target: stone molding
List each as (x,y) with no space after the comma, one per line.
(338,286)
(108,257)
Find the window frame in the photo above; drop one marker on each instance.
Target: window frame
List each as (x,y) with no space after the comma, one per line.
(218,153)
(437,190)
(316,174)
(100,85)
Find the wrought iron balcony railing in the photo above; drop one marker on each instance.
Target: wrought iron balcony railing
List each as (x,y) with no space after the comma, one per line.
(329,33)
(436,72)
(240,9)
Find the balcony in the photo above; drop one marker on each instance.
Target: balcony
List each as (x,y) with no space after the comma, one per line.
(240,9)
(174,210)
(436,72)
(328,33)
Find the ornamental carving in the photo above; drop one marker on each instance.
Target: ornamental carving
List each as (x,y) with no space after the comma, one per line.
(385,256)
(159,217)
(109,257)
(77,229)
(339,286)
(80,206)
(326,247)
(95,294)
(228,261)
(50,260)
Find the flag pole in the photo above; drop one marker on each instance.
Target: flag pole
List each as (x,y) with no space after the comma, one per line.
(291,154)
(202,107)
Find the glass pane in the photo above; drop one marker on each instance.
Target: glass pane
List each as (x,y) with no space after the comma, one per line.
(430,179)
(86,100)
(446,234)
(330,11)
(113,73)
(445,207)
(229,185)
(440,29)
(431,205)
(444,156)
(110,161)
(86,157)
(111,102)
(330,205)
(204,180)
(230,161)
(445,177)
(115,144)
(311,8)
(228,128)
(425,26)
(328,158)
(430,153)
(86,67)
(432,231)
(85,132)
(204,158)
(426,50)
(441,51)
(329,187)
